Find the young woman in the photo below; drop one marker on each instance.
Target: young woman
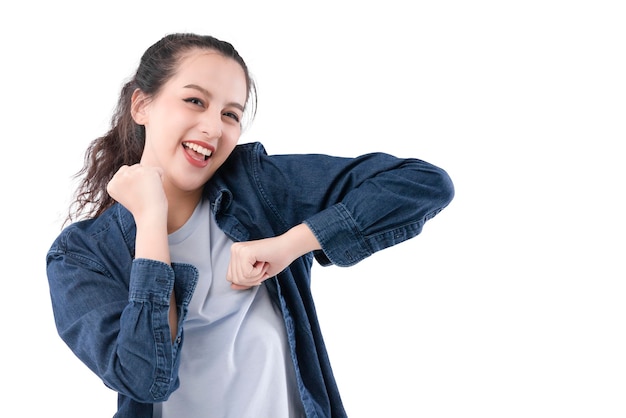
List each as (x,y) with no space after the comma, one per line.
(184,283)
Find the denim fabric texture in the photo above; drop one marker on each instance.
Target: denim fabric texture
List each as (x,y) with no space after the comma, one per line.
(112,309)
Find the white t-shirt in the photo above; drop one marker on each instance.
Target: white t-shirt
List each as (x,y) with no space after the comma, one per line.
(235,358)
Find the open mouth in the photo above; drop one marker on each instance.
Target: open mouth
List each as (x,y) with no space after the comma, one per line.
(197,152)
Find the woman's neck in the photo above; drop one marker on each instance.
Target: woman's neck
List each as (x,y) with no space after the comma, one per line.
(180,208)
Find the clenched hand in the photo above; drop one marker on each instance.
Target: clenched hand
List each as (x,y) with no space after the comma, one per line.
(252,262)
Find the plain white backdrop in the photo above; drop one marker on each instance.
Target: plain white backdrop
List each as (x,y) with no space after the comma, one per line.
(511,303)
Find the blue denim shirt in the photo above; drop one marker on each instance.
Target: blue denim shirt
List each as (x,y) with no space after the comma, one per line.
(112,309)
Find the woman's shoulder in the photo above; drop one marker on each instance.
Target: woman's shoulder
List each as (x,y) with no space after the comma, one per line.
(248,150)
(113,227)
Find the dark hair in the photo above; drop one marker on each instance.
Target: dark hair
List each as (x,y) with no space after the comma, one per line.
(124,142)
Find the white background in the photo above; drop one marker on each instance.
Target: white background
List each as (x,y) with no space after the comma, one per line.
(511,303)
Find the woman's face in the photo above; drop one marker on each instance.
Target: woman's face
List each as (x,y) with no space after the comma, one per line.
(193,123)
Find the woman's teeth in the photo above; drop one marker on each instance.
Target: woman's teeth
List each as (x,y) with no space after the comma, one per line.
(197,148)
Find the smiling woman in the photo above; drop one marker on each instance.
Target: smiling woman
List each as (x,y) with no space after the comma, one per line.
(184,280)
(202,104)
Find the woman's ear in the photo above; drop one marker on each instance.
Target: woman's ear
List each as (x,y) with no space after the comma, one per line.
(138,103)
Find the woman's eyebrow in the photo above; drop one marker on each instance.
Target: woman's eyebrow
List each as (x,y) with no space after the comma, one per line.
(208,94)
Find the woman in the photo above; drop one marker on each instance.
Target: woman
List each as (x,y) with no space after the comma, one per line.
(184,282)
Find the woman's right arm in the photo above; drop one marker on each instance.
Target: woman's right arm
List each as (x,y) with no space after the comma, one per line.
(111,294)
(140,190)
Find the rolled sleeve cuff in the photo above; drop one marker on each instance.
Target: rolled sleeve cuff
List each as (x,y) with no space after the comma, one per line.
(341,241)
(151,281)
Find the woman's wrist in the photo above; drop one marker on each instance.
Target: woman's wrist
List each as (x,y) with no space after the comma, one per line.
(301,240)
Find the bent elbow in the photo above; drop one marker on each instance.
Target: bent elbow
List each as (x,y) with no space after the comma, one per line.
(446,187)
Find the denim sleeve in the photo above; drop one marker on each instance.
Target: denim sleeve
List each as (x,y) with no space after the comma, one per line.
(116,320)
(354,206)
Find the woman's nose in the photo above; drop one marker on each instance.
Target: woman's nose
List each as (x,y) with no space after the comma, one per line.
(211,125)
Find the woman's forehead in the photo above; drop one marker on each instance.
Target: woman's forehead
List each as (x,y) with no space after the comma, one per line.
(211,70)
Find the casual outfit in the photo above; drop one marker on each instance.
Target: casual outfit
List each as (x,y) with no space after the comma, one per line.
(239,349)
(236,359)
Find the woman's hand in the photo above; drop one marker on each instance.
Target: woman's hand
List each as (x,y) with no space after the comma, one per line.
(252,262)
(140,189)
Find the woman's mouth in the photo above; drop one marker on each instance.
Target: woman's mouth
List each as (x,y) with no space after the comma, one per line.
(197,152)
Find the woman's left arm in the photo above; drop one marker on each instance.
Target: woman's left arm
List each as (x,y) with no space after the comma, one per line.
(343,209)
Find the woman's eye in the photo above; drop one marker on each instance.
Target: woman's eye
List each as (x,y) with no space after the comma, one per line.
(232,115)
(195,100)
